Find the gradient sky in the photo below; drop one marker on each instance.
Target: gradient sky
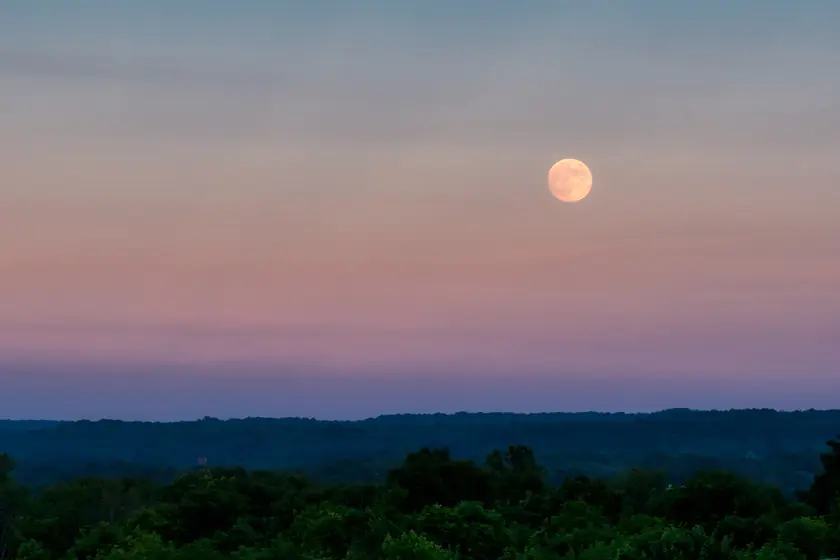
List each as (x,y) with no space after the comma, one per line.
(339,209)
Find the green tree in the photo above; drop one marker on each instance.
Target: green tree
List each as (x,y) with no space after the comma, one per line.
(431,476)
(200,504)
(807,534)
(411,546)
(468,529)
(515,473)
(824,492)
(709,497)
(32,550)
(778,550)
(13,501)
(638,487)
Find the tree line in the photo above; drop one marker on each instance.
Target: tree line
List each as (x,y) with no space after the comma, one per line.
(767,446)
(432,506)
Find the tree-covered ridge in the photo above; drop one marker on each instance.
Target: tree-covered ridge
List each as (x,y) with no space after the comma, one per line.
(779,448)
(432,507)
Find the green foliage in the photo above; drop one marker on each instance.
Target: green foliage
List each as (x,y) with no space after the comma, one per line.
(411,546)
(433,507)
(467,528)
(807,534)
(775,551)
(31,549)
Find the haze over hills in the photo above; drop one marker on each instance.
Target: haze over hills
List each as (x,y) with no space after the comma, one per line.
(766,445)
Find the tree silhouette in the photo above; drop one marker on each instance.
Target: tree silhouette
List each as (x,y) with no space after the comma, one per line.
(825,490)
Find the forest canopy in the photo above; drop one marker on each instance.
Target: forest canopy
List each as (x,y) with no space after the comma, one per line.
(431,506)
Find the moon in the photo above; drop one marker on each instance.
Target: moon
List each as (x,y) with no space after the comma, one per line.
(569,180)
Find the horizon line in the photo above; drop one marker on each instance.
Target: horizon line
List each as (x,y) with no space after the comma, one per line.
(428,414)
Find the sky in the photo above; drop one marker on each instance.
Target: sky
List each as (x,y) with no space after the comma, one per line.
(340,209)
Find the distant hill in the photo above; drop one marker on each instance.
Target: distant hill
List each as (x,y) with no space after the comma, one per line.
(767,445)
(26,425)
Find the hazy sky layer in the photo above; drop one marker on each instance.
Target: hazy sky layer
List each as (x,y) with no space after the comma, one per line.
(203,203)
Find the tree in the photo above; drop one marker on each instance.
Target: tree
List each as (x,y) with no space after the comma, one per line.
(709,497)
(411,546)
(13,499)
(431,476)
(515,473)
(807,534)
(468,529)
(638,487)
(824,492)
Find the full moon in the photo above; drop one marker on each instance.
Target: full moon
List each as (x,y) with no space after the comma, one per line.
(569,180)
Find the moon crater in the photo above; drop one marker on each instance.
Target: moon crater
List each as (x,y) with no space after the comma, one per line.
(569,180)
